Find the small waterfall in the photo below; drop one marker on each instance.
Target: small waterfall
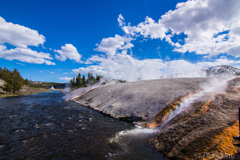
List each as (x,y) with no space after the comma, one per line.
(133,132)
(129,139)
(183,106)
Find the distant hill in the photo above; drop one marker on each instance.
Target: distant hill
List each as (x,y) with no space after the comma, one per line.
(222,70)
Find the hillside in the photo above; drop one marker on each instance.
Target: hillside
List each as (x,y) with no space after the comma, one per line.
(140,100)
(222,70)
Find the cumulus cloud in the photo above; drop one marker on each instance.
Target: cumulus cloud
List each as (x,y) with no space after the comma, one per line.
(25,55)
(149,29)
(122,66)
(66,78)
(211,27)
(18,35)
(68,51)
(112,44)
(21,37)
(93,69)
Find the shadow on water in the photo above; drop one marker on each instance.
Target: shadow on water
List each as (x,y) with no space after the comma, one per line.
(43,126)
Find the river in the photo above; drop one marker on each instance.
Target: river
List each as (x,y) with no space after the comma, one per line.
(44,126)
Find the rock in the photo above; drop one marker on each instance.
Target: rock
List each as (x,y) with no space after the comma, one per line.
(141,100)
(196,135)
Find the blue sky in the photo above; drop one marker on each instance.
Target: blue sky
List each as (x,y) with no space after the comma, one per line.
(147,39)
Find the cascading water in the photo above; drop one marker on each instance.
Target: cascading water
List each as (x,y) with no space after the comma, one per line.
(213,87)
(133,132)
(132,138)
(183,106)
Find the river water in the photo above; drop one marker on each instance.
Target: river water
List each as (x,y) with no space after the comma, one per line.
(43,126)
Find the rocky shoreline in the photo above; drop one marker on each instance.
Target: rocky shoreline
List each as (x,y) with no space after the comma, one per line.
(204,130)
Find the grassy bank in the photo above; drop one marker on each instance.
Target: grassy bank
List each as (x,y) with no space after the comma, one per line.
(25,91)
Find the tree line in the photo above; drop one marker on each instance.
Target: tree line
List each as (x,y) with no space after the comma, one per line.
(13,80)
(81,81)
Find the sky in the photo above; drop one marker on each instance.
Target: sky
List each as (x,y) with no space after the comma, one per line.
(54,40)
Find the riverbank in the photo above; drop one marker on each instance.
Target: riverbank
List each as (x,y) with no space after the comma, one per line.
(204,128)
(25,91)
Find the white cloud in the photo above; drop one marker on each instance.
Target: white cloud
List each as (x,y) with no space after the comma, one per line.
(167,58)
(25,55)
(112,44)
(121,20)
(149,29)
(123,66)
(68,51)
(18,35)
(211,27)
(66,78)
(93,69)
(202,21)
(52,72)
(21,37)
(21,64)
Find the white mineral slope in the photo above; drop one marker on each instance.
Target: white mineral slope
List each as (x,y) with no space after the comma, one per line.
(140,100)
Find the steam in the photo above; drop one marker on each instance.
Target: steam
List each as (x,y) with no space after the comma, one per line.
(52,88)
(208,91)
(133,132)
(69,95)
(74,94)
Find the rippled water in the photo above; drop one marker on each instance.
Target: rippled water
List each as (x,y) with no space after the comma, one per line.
(43,126)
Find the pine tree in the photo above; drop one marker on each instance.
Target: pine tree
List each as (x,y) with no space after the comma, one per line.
(91,80)
(26,81)
(8,87)
(74,82)
(1,73)
(17,79)
(79,83)
(84,81)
